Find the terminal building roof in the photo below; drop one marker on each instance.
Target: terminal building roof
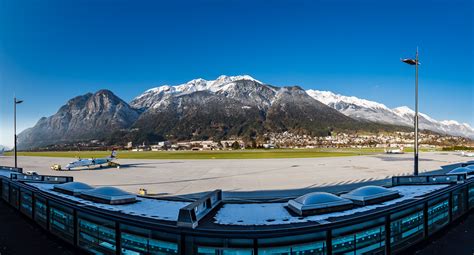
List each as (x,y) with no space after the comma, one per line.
(240,214)
(213,213)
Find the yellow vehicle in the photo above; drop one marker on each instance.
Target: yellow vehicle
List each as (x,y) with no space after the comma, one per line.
(56,167)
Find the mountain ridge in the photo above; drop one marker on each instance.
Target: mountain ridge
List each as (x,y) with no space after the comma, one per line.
(402,115)
(83,117)
(221,108)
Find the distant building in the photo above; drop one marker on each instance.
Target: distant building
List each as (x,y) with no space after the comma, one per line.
(164,145)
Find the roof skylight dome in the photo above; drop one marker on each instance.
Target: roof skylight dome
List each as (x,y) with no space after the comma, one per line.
(371,195)
(318,203)
(72,188)
(461,170)
(109,195)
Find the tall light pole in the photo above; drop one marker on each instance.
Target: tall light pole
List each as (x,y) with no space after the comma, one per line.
(415,62)
(15,102)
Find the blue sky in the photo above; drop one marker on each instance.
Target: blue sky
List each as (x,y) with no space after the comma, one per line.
(53,50)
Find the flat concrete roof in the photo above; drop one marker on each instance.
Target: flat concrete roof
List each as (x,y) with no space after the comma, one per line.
(246,178)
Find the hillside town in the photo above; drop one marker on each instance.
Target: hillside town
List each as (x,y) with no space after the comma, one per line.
(285,140)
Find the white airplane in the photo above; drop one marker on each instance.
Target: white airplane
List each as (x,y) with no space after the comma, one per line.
(468,154)
(92,161)
(395,151)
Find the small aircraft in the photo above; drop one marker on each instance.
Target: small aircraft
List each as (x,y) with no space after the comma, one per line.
(93,161)
(395,151)
(468,154)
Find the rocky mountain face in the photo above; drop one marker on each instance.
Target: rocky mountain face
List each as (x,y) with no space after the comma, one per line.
(230,106)
(200,115)
(89,116)
(294,110)
(372,111)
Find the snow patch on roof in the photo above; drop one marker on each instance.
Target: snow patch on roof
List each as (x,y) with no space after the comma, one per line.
(145,207)
(277,214)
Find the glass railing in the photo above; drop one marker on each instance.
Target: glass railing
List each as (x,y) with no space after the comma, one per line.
(438,216)
(223,251)
(61,224)
(407,230)
(366,241)
(95,237)
(316,248)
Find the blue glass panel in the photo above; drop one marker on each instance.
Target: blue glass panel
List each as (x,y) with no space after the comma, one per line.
(5,191)
(459,203)
(15,196)
(406,230)
(135,244)
(41,212)
(471,196)
(61,223)
(370,241)
(137,240)
(98,238)
(316,248)
(26,203)
(438,216)
(223,251)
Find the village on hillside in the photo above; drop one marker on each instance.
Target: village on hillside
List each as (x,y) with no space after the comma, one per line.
(285,140)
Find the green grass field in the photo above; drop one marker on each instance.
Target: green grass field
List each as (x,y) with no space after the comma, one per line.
(237,154)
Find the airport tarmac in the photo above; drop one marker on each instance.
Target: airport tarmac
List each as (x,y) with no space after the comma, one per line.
(247,178)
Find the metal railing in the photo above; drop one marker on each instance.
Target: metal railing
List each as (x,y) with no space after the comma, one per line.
(40,178)
(13,169)
(428,179)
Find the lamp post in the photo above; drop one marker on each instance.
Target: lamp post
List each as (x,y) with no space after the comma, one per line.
(15,102)
(415,62)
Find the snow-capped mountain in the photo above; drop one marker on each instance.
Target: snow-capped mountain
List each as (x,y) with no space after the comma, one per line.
(234,106)
(359,108)
(369,110)
(450,127)
(232,85)
(229,106)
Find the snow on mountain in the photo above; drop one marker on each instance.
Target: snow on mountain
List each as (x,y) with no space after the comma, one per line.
(451,127)
(376,112)
(254,93)
(229,85)
(328,97)
(404,111)
(359,108)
